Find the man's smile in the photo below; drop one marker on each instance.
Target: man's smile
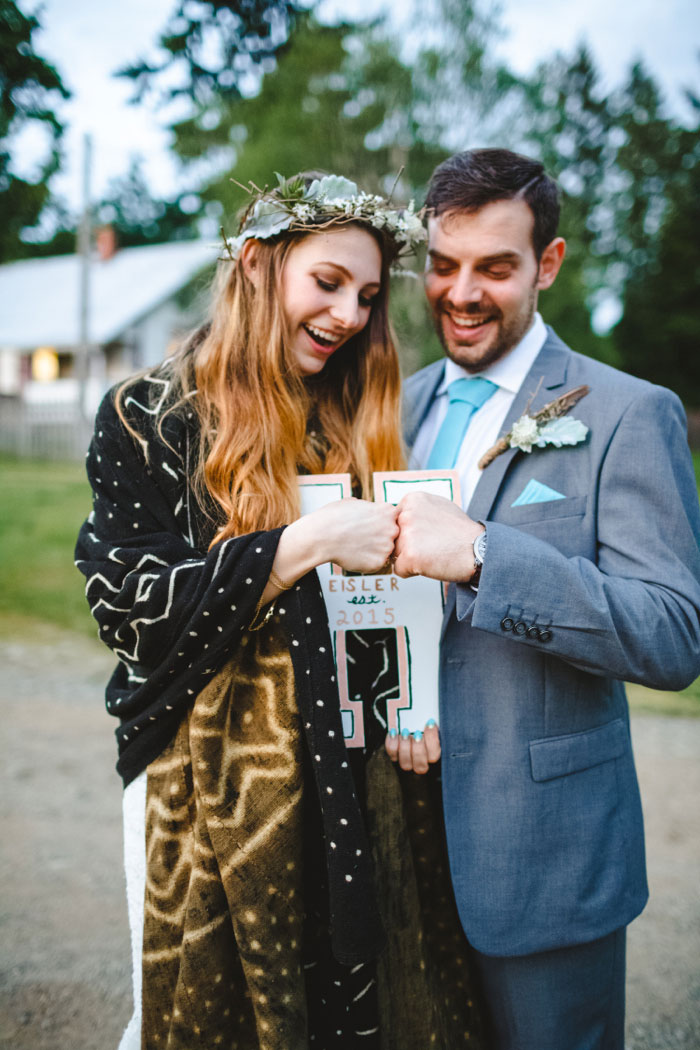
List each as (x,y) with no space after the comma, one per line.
(467,325)
(468,322)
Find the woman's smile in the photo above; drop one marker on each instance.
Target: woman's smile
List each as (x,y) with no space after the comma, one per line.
(324,341)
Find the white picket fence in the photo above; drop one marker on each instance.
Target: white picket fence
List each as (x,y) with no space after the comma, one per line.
(42,431)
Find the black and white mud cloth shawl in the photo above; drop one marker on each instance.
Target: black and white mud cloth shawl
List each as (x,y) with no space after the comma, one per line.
(173,614)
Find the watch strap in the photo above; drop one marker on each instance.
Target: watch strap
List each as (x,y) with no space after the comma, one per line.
(479,548)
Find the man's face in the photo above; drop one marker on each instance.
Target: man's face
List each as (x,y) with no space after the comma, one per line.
(482,281)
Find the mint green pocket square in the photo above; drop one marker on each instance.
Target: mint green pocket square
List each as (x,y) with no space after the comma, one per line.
(536,492)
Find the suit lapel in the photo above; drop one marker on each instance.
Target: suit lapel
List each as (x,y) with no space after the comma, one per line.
(548,373)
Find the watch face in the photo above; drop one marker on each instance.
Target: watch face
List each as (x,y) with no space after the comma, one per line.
(480,546)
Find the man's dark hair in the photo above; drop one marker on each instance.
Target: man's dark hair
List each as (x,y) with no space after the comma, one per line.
(469,180)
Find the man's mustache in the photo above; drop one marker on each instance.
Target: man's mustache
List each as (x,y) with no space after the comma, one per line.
(478,308)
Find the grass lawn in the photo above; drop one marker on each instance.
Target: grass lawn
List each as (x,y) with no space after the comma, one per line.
(43,505)
(42,508)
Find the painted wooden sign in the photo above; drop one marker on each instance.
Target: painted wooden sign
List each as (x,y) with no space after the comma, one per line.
(410,609)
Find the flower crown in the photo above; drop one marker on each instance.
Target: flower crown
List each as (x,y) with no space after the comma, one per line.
(329,201)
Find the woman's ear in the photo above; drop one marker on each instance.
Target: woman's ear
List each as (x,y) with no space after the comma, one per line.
(249,260)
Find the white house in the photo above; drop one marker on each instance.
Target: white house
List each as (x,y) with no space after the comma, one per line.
(140,301)
(134,315)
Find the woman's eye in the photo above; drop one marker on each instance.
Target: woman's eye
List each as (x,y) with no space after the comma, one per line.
(366,301)
(327,286)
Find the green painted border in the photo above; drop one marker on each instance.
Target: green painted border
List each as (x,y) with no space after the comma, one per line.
(415,481)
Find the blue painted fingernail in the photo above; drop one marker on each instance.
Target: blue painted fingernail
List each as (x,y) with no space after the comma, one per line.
(418,735)
(430,723)
(393,733)
(405,734)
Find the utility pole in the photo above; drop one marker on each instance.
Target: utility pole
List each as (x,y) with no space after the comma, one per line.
(83,251)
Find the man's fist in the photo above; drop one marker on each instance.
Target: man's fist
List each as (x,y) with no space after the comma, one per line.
(435,539)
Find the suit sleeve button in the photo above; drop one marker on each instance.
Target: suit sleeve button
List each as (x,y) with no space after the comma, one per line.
(533,632)
(520,628)
(545,636)
(507,623)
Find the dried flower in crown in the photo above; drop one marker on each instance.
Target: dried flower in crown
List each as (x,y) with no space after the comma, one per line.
(330,201)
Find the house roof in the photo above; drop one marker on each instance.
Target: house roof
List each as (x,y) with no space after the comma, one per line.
(39,298)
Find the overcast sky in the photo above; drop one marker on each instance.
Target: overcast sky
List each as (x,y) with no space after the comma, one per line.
(88,40)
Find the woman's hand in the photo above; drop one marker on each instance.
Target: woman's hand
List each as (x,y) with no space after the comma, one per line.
(360,535)
(414,751)
(354,533)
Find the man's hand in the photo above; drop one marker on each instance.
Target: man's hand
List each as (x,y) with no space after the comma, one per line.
(435,539)
(414,751)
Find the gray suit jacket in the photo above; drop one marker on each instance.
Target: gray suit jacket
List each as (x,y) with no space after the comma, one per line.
(577,595)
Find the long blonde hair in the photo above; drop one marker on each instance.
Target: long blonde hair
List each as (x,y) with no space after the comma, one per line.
(261,423)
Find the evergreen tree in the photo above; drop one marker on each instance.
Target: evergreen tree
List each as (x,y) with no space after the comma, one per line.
(659,333)
(462,97)
(136,216)
(346,98)
(565,121)
(338,100)
(216,45)
(139,218)
(30,90)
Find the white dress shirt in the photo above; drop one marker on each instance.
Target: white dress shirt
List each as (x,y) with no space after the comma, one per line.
(485,425)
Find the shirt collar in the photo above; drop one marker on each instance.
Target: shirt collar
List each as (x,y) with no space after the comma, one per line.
(509,372)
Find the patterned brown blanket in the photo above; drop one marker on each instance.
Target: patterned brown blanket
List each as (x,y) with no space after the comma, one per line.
(236,938)
(224,904)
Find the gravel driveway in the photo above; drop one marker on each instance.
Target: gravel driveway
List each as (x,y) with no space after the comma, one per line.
(65,968)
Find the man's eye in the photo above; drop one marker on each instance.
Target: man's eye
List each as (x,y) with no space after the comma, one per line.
(498,274)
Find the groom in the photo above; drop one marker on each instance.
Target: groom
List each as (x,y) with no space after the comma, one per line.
(576,568)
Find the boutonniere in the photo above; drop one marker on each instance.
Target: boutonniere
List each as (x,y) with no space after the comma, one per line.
(544,427)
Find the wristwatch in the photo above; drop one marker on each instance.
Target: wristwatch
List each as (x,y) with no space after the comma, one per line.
(479,547)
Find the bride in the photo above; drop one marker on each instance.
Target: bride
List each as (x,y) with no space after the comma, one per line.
(248,826)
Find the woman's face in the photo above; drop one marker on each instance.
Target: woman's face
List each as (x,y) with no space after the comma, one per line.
(329,282)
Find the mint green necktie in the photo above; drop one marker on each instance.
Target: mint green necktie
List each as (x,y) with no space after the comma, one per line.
(466,396)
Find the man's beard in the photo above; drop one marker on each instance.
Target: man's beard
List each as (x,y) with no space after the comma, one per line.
(508,336)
